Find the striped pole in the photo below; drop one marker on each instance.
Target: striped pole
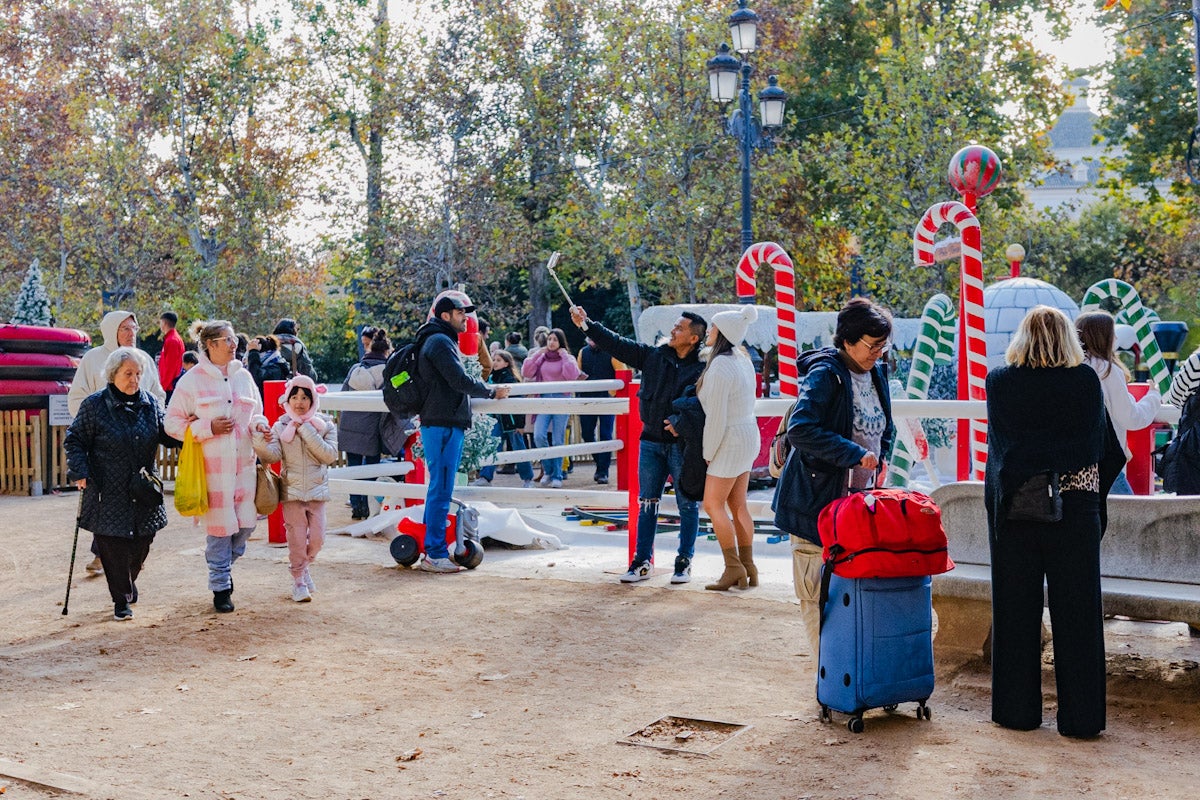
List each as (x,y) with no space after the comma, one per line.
(972,354)
(935,345)
(1137,315)
(785,304)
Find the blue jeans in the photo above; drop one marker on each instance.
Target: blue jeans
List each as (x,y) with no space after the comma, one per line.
(1121,485)
(515,441)
(543,425)
(358,502)
(220,552)
(598,428)
(656,461)
(443,453)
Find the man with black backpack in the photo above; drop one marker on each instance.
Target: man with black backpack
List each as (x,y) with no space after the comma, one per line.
(445,416)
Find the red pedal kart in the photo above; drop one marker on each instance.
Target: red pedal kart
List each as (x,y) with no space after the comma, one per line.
(465,550)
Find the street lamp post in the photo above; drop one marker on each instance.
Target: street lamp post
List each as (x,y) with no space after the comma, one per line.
(724,71)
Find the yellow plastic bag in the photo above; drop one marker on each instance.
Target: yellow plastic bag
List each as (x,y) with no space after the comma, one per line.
(191,489)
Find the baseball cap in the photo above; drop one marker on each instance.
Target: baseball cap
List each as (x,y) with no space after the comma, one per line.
(452,300)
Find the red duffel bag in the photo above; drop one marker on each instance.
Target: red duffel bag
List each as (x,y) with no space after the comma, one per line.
(884,533)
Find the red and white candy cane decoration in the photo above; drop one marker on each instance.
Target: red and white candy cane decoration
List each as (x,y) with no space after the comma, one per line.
(785,304)
(972,358)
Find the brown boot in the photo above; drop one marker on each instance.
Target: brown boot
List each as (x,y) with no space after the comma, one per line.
(746,555)
(734,572)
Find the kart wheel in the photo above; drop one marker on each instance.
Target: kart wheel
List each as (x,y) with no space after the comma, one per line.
(471,556)
(405,550)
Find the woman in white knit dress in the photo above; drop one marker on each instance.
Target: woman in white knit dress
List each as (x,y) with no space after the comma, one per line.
(731,443)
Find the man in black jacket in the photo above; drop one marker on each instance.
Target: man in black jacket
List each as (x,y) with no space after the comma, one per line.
(445,417)
(667,370)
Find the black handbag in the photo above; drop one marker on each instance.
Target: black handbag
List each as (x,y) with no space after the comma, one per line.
(146,489)
(1037,500)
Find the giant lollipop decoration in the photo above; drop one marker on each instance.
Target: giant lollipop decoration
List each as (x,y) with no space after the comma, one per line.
(974,172)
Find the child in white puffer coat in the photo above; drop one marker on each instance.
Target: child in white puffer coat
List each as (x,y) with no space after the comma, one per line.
(306,442)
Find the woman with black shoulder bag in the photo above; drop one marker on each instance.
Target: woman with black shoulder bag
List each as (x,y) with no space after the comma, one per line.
(1052,457)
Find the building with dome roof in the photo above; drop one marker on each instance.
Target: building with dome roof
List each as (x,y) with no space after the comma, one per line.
(1077,148)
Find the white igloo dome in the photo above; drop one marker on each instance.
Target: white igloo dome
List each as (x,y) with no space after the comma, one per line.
(1005,304)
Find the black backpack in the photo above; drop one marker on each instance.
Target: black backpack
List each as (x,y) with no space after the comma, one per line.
(403,390)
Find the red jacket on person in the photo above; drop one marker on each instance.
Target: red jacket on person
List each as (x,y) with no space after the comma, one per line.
(170,360)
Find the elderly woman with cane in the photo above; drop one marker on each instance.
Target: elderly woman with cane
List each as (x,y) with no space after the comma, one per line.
(111,448)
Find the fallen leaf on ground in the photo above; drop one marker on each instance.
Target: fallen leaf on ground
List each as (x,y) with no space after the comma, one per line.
(410,755)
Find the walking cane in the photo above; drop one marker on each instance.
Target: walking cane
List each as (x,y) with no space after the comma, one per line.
(74,545)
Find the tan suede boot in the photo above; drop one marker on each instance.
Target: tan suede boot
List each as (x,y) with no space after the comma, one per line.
(734,572)
(746,555)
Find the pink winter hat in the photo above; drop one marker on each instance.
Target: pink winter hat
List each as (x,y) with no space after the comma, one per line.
(302,382)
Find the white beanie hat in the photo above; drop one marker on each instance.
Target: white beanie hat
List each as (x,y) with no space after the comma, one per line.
(733,324)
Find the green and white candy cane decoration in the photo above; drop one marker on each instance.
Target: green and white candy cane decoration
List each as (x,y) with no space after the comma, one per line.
(1139,317)
(935,345)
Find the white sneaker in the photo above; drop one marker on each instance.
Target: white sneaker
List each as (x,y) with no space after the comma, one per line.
(308,581)
(683,570)
(481,482)
(528,485)
(439,565)
(300,593)
(638,571)
(556,484)
(545,480)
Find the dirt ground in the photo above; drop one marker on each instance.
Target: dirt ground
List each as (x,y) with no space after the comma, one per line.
(397,684)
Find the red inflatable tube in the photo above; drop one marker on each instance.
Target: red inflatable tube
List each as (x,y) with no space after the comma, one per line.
(37,367)
(29,394)
(43,339)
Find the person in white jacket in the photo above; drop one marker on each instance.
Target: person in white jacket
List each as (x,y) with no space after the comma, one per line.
(1097,334)
(731,443)
(119,329)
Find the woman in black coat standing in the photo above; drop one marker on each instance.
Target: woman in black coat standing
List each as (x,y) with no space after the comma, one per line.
(1046,415)
(359,432)
(114,436)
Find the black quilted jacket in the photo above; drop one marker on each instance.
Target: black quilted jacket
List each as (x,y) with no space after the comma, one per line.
(107,445)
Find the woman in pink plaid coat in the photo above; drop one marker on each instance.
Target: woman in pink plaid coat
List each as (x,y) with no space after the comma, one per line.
(217,399)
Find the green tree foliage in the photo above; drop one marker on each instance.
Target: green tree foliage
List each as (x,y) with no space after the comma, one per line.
(947,83)
(1152,94)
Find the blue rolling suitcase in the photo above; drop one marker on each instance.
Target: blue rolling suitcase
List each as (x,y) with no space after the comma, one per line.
(876,646)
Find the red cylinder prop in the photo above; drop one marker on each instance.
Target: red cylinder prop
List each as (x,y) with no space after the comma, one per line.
(272,391)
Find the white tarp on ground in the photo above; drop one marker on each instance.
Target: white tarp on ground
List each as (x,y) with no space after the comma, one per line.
(502,524)
(813,328)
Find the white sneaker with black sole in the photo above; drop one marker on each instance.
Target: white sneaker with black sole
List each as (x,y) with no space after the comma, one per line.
(638,571)
(683,571)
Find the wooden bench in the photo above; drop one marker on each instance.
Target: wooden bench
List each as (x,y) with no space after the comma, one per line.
(1149,562)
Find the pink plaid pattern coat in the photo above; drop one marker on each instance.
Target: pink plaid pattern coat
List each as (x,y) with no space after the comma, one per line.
(206,393)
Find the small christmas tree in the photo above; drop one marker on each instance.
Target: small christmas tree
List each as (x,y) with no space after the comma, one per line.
(33,305)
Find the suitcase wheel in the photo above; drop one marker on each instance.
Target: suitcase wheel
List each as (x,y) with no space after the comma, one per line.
(855,725)
(923,711)
(890,708)
(826,715)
